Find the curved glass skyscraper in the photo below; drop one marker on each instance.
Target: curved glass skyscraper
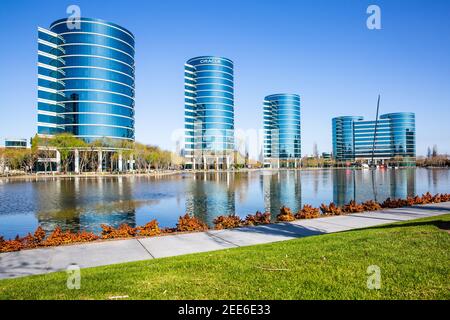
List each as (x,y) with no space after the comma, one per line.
(282,130)
(86,80)
(209,111)
(395,138)
(402,139)
(343,144)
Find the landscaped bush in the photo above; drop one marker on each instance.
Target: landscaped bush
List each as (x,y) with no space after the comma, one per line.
(123,231)
(353,207)
(149,230)
(307,212)
(285,214)
(257,218)
(59,237)
(10,245)
(331,209)
(227,222)
(188,223)
(56,238)
(427,198)
(394,203)
(371,205)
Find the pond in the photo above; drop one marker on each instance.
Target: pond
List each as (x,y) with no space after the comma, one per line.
(85,203)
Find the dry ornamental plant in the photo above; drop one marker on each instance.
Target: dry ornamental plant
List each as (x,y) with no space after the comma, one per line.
(285,214)
(227,222)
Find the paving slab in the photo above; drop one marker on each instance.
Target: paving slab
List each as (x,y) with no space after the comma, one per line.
(98,254)
(174,245)
(322,225)
(24,263)
(357,222)
(264,234)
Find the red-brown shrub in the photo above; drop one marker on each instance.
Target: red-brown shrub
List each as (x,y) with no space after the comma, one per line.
(285,214)
(188,223)
(331,209)
(257,218)
(307,212)
(371,205)
(123,231)
(150,229)
(227,222)
(353,207)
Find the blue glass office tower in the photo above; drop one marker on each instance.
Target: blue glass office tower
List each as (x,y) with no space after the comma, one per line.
(209,112)
(395,138)
(282,130)
(343,142)
(86,80)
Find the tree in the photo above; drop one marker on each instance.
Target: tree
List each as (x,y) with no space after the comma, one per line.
(43,149)
(65,143)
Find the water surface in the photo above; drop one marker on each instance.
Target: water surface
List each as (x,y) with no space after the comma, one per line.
(85,203)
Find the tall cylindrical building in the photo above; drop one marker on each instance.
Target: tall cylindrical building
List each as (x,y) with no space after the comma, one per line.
(282,130)
(209,112)
(403,134)
(86,80)
(343,137)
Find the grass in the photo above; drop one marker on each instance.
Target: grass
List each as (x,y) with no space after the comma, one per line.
(414,258)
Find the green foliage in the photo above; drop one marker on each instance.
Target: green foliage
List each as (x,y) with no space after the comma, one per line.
(412,255)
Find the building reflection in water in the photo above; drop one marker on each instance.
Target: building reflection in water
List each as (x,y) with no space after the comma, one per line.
(362,185)
(84,204)
(211,194)
(282,188)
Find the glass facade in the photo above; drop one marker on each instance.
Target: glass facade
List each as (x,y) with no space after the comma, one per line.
(354,138)
(86,80)
(282,130)
(343,142)
(209,109)
(15,143)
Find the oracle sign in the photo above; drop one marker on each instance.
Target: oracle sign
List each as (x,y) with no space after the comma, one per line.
(211,60)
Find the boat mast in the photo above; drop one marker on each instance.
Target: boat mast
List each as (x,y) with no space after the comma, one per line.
(375,131)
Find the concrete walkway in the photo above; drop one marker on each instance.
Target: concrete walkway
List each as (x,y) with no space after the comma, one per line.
(45,260)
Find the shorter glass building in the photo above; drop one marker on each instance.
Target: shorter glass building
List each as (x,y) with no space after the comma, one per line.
(15,143)
(343,137)
(391,137)
(282,130)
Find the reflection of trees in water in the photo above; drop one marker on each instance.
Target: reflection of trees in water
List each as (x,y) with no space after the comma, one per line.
(209,195)
(362,185)
(282,188)
(84,204)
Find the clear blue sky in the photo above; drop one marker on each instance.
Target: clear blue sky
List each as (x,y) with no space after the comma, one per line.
(319,49)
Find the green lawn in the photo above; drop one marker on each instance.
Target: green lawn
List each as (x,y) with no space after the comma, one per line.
(414,258)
